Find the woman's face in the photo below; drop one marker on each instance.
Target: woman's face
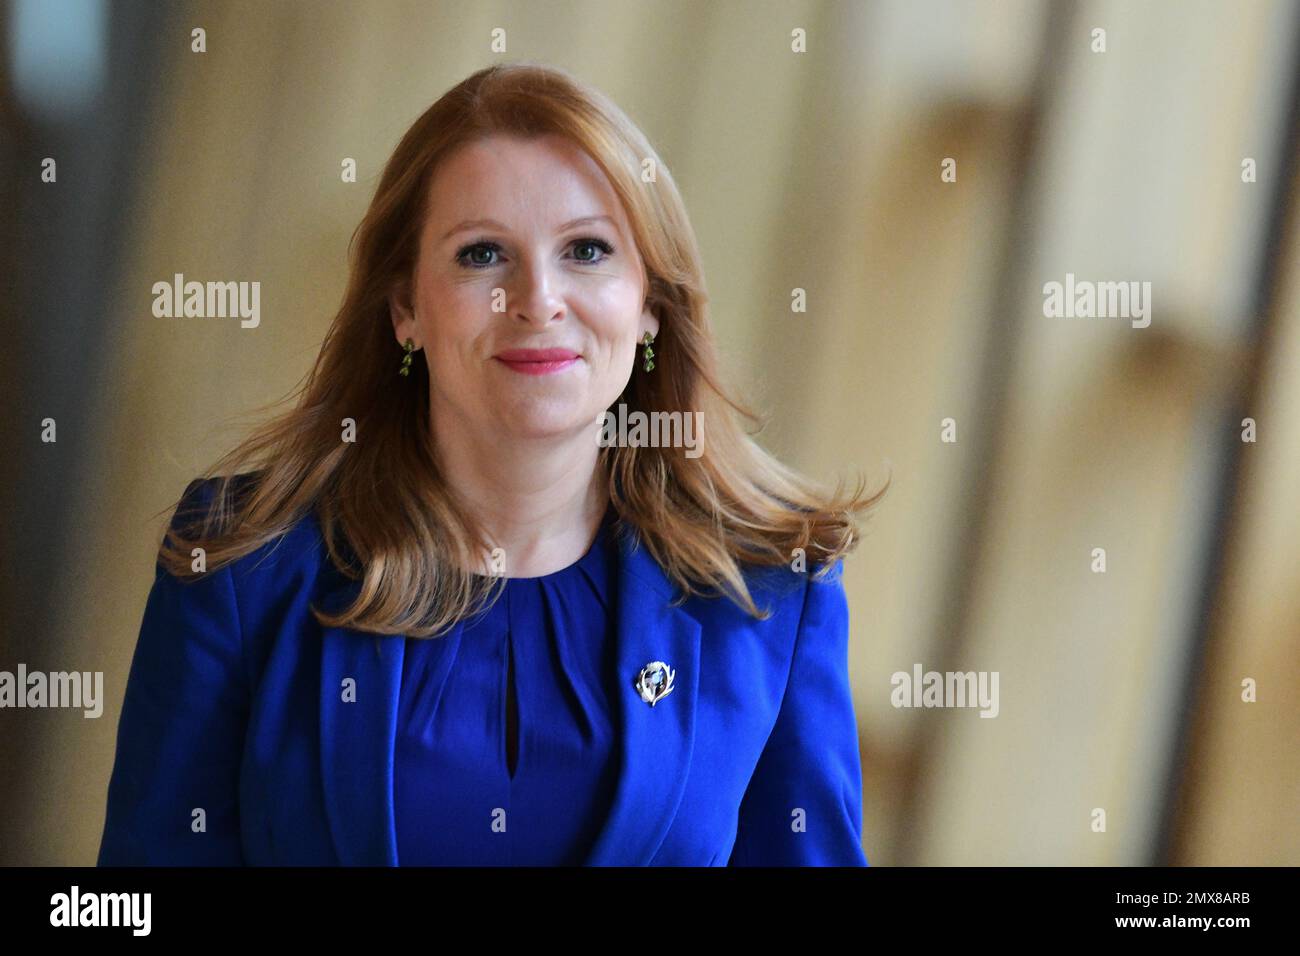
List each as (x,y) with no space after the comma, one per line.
(554,269)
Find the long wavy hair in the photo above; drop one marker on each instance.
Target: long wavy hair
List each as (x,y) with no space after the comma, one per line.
(386,513)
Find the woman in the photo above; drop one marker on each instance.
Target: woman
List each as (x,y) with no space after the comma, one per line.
(450,620)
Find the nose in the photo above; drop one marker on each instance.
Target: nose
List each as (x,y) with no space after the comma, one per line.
(535,293)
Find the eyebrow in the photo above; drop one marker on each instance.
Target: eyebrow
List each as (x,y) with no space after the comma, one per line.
(493,224)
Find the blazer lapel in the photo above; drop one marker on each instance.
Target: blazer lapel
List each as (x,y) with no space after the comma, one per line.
(654,743)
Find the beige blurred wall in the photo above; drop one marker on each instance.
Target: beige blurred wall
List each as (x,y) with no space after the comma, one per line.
(1112,440)
(1242,795)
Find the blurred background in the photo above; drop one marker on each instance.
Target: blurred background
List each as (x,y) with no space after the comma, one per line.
(1163,150)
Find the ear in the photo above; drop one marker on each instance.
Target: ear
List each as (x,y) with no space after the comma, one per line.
(402,311)
(648,322)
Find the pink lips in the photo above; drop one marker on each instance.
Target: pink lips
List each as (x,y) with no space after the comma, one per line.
(537,361)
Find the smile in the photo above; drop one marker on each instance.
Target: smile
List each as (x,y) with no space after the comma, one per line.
(537,361)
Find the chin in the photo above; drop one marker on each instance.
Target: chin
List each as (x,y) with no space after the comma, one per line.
(541,419)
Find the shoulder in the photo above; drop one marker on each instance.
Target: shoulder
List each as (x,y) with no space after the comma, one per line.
(825,602)
(294,560)
(811,608)
(201,494)
(799,607)
(814,586)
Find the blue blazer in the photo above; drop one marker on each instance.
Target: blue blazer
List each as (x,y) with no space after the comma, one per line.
(235,745)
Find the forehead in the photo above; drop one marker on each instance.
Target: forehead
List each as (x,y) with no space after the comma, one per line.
(543,180)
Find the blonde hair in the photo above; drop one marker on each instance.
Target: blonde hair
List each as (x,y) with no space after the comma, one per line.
(386,514)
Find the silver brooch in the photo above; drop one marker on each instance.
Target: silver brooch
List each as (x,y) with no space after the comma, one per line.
(655,682)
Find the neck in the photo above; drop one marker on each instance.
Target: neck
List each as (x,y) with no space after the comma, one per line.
(540,500)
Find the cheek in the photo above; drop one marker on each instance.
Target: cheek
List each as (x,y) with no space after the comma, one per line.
(461,319)
(617,335)
(614,311)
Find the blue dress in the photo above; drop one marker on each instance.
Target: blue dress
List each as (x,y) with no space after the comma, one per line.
(505,751)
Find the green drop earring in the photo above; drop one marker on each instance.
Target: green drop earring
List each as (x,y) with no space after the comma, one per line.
(405,370)
(649,356)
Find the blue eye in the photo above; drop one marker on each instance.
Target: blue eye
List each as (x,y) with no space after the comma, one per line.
(484,246)
(469,256)
(600,244)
